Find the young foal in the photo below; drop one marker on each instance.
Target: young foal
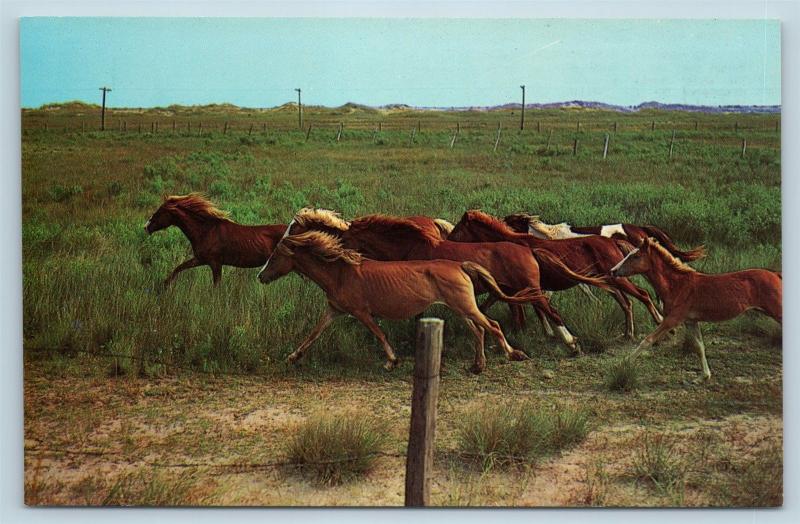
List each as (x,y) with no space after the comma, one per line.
(592,254)
(531,224)
(395,290)
(691,297)
(216,240)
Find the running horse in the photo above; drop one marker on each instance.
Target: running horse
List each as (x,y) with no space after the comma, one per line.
(216,240)
(691,297)
(533,225)
(592,254)
(398,290)
(386,238)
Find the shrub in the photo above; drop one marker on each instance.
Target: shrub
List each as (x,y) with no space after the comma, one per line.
(59,193)
(516,434)
(622,374)
(332,448)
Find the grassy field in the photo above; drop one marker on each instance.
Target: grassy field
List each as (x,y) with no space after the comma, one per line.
(199,378)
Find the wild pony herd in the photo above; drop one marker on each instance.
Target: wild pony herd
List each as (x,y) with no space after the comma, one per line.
(381,266)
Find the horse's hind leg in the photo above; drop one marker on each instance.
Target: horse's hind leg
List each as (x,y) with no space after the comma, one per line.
(192,262)
(693,329)
(480,357)
(662,329)
(545,310)
(627,308)
(367,320)
(482,321)
(216,272)
(640,294)
(323,323)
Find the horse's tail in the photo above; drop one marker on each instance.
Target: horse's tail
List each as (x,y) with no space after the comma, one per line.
(664,239)
(445,227)
(481,274)
(553,263)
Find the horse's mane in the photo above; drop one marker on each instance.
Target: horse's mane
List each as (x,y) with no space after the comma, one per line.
(308,217)
(197,204)
(674,262)
(394,228)
(324,246)
(444,226)
(490,222)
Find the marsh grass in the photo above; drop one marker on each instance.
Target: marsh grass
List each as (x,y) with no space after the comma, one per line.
(517,434)
(335,448)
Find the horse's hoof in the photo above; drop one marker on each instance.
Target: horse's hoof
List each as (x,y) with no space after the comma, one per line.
(517,356)
(576,349)
(390,365)
(292,359)
(476,369)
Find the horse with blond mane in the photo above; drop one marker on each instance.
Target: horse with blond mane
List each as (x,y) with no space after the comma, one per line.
(594,255)
(533,225)
(691,297)
(216,239)
(399,290)
(383,237)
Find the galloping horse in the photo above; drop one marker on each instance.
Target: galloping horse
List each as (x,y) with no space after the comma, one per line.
(691,297)
(216,240)
(383,237)
(594,254)
(394,290)
(531,224)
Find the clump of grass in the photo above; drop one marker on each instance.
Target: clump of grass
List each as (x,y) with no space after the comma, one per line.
(656,463)
(518,434)
(597,481)
(147,488)
(331,449)
(622,374)
(759,481)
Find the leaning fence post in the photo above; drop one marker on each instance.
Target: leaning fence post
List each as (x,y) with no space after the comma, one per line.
(308,133)
(671,143)
(339,134)
(497,141)
(413,134)
(575,147)
(605,146)
(419,457)
(744,147)
(549,136)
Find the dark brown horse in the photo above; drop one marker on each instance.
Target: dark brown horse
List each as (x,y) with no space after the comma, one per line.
(367,289)
(691,297)
(216,240)
(385,238)
(591,255)
(524,223)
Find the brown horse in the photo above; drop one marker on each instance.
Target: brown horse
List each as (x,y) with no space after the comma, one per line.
(385,238)
(394,290)
(532,224)
(593,254)
(691,297)
(216,240)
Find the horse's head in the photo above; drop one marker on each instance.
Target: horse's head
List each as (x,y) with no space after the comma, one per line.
(520,222)
(463,230)
(280,262)
(635,262)
(161,219)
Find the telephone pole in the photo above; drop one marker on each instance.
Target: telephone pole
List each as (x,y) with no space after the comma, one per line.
(299,110)
(522,118)
(103,110)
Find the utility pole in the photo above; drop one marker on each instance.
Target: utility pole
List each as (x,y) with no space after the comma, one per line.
(299,110)
(522,118)
(103,110)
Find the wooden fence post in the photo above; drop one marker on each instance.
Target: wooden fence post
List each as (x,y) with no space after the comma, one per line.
(308,133)
(736,127)
(380,127)
(653,125)
(671,143)
(200,129)
(578,127)
(538,126)
(575,147)
(124,126)
(173,126)
(615,127)
(497,141)
(250,131)
(744,147)
(413,134)
(225,131)
(549,137)
(264,127)
(419,457)
(605,147)
(695,125)
(339,134)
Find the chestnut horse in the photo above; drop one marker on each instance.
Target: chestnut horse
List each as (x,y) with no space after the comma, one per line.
(531,224)
(394,290)
(391,238)
(593,254)
(691,297)
(216,240)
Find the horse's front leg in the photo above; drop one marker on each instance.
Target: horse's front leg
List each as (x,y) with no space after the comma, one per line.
(323,323)
(693,330)
(366,319)
(216,272)
(192,262)
(668,323)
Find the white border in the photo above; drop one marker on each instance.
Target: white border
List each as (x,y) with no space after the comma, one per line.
(11,477)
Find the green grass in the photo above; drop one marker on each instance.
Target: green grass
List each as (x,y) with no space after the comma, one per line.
(622,374)
(92,277)
(335,448)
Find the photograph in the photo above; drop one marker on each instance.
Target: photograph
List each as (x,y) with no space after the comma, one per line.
(386,262)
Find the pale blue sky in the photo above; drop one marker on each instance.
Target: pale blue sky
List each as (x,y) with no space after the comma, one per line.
(431,62)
